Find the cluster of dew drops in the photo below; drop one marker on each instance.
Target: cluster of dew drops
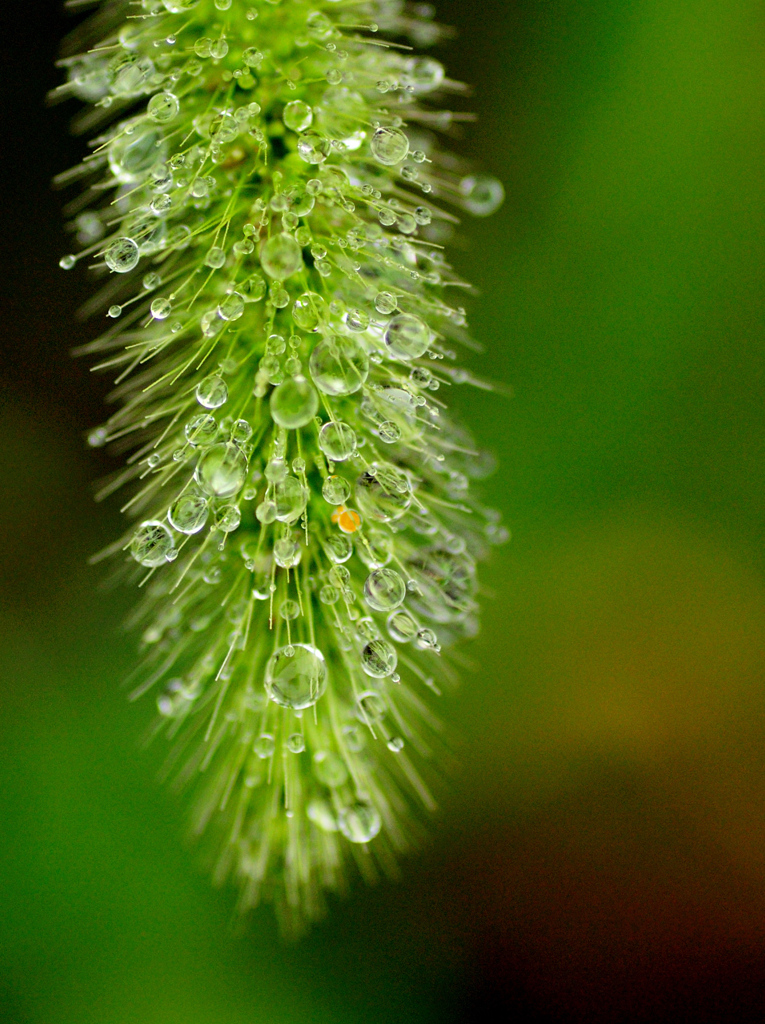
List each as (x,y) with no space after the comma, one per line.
(365,302)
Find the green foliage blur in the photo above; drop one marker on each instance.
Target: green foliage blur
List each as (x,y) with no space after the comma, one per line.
(599,854)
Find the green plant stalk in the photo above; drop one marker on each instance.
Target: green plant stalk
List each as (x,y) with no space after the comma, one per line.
(268,202)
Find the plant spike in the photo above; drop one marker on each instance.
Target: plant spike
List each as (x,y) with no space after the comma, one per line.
(267,203)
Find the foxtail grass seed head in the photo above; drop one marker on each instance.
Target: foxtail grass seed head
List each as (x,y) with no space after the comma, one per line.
(267,201)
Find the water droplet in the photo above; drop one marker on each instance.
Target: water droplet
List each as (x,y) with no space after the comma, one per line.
(281,257)
(384,590)
(221,470)
(395,744)
(367,628)
(445,584)
(329,769)
(219,49)
(357,320)
(212,392)
(122,255)
(297,116)
(189,514)
(424,74)
(402,626)
(287,553)
(228,518)
(253,288)
(336,490)
(252,57)
(289,610)
(290,498)
(389,146)
(339,366)
(131,157)
(427,639)
(161,308)
(329,595)
(379,659)
(407,337)
(232,307)
(241,431)
(114,312)
(215,258)
(389,432)
(385,496)
(264,746)
(313,148)
(309,310)
(294,403)
(482,194)
(151,544)
(296,743)
(337,440)
(67,262)
(359,823)
(296,681)
(385,303)
(202,430)
(338,547)
(129,73)
(163,107)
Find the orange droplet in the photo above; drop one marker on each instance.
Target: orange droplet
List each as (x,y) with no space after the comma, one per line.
(346,518)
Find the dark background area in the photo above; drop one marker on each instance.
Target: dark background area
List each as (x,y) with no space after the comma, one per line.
(600,855)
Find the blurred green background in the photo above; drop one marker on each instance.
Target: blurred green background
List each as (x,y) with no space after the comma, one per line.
(600,856)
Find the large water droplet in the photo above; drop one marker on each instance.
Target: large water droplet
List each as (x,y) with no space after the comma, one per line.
(407,337)
(290,498)
(122,256)
(482,194)
(132,156)
(294,403)
(297,116)
(339,366)
(296,676)
(313,148)
(129,73)
(336,490)
(424,74)
(202,430)
(384,495)
(384,590)
(402,626)
(163,107)
(232,307)
(379,659)
(309,311)
(222,470)
(281,257)
(189,513)
(389,146)
(212,392)
(151,544)
(338,547)
(445,584)
(359,823)
(337,440)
